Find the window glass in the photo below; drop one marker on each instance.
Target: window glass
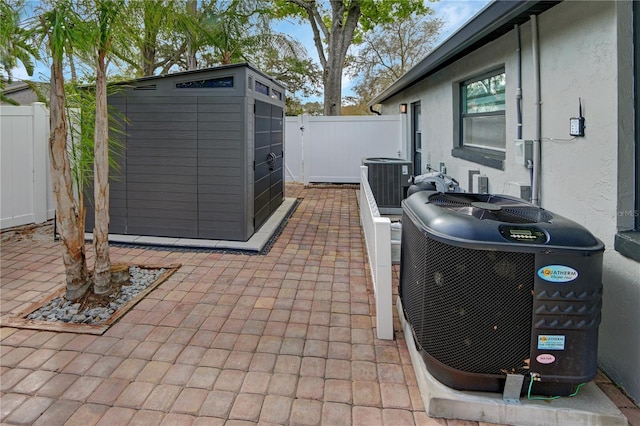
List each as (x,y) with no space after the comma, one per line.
(262,88)
(482,112)
(212,83)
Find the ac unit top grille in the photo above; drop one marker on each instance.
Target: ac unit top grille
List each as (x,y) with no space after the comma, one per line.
(492,207)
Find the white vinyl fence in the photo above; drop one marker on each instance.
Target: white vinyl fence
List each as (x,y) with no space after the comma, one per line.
(377,235)
(25,187)
(330,149)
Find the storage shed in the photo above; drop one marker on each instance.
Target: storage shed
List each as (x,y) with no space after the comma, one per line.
(203,154)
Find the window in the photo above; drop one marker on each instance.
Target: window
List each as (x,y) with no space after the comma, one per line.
(482,117)
(627,243)
(482,130)
(262,88)
(212,83)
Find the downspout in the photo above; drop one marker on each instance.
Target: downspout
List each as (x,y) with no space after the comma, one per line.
(374,111)
(535,184)
(519,97)
(519,88)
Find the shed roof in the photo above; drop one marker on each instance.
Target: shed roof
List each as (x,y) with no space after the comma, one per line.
(495,20)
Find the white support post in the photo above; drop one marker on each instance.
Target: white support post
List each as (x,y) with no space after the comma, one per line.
(384,301)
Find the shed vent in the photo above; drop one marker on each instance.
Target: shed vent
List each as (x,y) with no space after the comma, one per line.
(148,87)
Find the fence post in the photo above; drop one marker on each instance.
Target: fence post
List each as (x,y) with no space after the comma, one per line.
(40,153)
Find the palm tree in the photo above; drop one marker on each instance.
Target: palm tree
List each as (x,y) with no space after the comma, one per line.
(60,29)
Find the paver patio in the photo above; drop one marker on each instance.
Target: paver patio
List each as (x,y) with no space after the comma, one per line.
(234,339)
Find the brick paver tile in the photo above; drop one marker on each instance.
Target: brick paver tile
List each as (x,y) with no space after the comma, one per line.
(208,421)
(34,381)
(310,388)
(145,350)
(339,350)
(36,358)
(81,388)
(203,377)
(10,402)
(397,417)
(134,395)
(162,398)
(105,366)
(15,356)
(229,380)
(116,416)
(217,404)
(312,366)
(102,344)
(289,364)
(58,341)
(153,371)
(128,369)
(108,391)
(59,361)
(81,363)
(283,385)
(366,416)
(238,360)
(38,339)
(338,369)
(247,407)
(292,346)
(417,404)
(276,409)
(395,395)
(316,348)
(178,374)
(189,401)
(12,377)
(391,373)
(363,352)
(364,371)
(80,342)
(58,384)
(269,344)
(306,412)
(214,358)
(336,414)
(256,382)
(366,393)
(176,419)
(30,410)
(337,391)
(123,348)
(191,355)
(262,362)
(146,417)
(58,413)
(168,352)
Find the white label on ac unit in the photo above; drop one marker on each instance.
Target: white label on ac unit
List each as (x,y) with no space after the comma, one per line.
(551,343)
(405,169)
(557,273)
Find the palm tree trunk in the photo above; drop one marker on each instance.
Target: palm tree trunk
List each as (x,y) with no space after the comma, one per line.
(68,215)
(102,277)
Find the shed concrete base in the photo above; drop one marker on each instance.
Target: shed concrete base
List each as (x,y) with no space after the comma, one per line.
(256,243)
(590,407)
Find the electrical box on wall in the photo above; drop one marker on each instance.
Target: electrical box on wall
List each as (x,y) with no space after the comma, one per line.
(481,184)
(576,124)
(524,152)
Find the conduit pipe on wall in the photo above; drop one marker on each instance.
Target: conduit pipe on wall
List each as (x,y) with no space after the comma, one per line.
(519,88)
(535,184)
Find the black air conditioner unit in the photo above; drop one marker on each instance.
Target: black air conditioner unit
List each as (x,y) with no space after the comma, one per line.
(492,285)
(389,181)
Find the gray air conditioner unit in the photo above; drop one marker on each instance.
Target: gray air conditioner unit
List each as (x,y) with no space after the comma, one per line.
(389,181)
(492,286)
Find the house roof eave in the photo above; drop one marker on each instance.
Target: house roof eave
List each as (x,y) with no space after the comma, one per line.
(493,21)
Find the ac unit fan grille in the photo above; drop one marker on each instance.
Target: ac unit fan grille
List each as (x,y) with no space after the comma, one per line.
(495,207)
(469,309)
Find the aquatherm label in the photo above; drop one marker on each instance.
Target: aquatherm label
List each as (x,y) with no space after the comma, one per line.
(551,343)
(557,273)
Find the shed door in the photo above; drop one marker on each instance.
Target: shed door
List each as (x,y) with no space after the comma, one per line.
(269,173)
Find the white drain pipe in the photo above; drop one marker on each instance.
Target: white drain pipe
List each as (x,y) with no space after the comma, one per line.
(535,183)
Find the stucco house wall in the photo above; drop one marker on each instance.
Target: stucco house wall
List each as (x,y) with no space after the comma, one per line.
(586,51)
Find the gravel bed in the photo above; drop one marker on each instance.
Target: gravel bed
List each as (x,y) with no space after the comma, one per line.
(61,310)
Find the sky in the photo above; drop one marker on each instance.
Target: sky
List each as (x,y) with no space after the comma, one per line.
(454,13)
